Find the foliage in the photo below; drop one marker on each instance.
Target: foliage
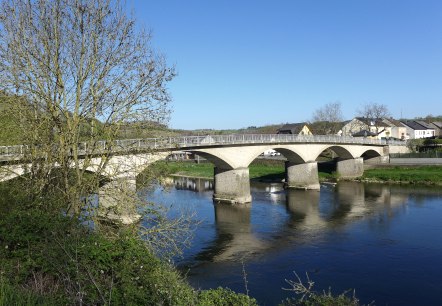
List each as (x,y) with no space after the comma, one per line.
(429,142)
(10,295)
(9,125)
(224,297)
(49,258)
(414,144)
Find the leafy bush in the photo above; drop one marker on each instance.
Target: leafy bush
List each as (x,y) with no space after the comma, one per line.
(49,258)
(224,297)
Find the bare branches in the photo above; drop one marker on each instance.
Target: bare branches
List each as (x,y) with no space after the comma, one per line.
(83,70)
(327,119)
(374,111)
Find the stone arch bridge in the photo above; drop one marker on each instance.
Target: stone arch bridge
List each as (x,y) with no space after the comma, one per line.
(231,155)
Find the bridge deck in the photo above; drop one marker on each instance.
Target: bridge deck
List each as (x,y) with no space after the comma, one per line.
(189,142)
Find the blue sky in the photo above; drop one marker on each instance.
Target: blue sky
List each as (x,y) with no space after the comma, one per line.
(250,63)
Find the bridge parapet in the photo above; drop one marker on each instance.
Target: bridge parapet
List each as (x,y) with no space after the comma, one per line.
(183,142)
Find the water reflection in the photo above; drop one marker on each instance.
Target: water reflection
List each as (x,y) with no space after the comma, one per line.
(309,214)
(194,184)
(234,234)
(382,240)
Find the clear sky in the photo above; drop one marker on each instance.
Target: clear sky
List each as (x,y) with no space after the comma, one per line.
(253,62)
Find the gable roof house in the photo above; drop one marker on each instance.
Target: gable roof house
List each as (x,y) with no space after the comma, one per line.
(295,129)
(437,128)
(418,129)
(367,127)
(398,130)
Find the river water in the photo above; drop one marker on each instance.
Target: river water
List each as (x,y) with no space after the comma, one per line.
(383,241)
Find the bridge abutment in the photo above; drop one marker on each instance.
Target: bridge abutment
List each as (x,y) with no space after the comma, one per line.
(232,185)
(350,168)
(301,176)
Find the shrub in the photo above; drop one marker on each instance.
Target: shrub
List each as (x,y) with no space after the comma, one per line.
(224,297)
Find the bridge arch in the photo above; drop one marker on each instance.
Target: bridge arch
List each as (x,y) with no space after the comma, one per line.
(370,154)
(288,153)
(343,153)
(214,159)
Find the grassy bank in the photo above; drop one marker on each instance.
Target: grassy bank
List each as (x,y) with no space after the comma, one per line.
(270,170)
(413,175)
(274,171)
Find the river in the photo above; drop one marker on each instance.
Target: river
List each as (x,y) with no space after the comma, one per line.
(383,241)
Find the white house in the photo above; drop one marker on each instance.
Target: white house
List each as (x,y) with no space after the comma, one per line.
(418,129)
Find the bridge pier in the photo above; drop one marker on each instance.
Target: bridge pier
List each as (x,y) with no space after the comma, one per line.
(301,176)
(232,185)
(116,201)
(350,168)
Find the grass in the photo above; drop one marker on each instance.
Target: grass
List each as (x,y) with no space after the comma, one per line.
(10,295)
(422,174)
(274,171)
(263,170)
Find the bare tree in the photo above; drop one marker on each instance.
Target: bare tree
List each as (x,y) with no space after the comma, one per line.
(328,118)
(373,113)
(77,71)
(81,70)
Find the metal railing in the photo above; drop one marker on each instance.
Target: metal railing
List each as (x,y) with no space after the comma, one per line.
(188,142)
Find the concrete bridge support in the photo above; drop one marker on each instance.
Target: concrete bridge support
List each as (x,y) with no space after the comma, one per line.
(302,176)
(232,185)
(350,168)
(116,201)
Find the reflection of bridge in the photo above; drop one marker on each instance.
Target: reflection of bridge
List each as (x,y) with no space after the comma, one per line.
(347,202)
(231,155)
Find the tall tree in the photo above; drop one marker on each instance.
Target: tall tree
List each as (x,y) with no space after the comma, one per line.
(327,119)
(76,71)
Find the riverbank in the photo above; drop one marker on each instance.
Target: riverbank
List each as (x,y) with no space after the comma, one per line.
(273,171)
(428,175)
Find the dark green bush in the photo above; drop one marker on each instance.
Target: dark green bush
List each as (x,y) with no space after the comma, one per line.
(224,297)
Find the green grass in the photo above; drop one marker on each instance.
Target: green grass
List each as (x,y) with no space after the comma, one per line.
(274,171)
(423,174)
(270,170)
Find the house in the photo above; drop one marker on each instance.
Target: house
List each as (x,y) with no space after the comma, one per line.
(295,129)
(437,128)
(398,130)
(377,127)
(418,129)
